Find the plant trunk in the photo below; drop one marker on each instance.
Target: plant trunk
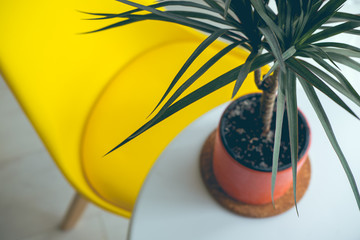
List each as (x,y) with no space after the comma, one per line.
(267,101)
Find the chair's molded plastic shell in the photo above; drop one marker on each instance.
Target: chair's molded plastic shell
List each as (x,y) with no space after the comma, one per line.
(84,93)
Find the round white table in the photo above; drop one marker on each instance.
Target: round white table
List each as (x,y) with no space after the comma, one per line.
(175,205)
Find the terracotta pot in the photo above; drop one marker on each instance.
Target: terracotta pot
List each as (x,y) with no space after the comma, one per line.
(249,185)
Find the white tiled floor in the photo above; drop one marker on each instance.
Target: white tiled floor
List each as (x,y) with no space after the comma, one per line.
(33,194)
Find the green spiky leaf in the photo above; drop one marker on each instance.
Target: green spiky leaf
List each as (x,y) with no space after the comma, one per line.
(203,91)
(227,5)
(332,82)
(244,71)
(207,42)
(274,45)
(306,74)
(280,107)
(292,113)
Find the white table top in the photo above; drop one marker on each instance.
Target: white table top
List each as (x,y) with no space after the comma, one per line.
(174,203)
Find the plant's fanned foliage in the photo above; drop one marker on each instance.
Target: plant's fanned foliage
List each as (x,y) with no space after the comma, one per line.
(300,28)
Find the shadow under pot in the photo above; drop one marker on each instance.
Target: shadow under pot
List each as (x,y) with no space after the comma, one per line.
(242,159)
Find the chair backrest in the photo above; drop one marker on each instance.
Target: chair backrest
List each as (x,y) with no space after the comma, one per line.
(81,92)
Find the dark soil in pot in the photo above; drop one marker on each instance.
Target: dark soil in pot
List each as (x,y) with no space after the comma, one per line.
(241,130)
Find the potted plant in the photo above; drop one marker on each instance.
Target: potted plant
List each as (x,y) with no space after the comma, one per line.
(286,36)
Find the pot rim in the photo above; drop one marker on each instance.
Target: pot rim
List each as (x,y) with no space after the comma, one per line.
(303,152)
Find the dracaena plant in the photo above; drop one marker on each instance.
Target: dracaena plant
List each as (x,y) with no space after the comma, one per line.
(286,36)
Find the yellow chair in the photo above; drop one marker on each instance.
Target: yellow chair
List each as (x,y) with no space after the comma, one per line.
(84,93)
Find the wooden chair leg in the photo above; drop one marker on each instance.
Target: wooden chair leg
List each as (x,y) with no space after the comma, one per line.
(74,212)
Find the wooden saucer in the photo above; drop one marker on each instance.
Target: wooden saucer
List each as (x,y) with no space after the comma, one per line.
(282,204)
